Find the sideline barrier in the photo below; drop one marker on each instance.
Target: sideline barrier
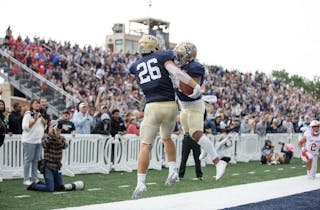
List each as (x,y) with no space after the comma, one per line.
(101,154)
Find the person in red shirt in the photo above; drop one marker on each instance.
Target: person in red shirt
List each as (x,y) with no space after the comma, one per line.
(132,127)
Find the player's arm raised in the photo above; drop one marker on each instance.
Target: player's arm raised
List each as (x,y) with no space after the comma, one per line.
(184,77)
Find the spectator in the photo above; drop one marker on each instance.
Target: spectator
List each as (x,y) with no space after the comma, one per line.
(245,127)
(234,125)
(53,144)
(210,126)
(33,125)
(103,110)
(132,127)
(67,125)
(82,120)
(117,124)
(261,126)
(3,126)
(15,120)
(103,126)
(220,125)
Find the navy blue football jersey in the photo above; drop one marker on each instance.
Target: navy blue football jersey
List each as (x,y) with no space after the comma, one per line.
(193,69)
(152,76)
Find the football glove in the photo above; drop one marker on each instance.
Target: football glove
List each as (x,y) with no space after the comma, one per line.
(305,155)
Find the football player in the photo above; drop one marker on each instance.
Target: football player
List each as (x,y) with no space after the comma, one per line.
(153,73)
(192,109)
(310,145)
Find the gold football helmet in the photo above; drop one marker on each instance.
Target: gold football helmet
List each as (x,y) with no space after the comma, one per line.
(148,44)
(185,52)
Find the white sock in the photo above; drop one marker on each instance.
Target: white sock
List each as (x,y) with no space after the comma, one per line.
(208,147)
(314,166)
(141,178)
(172,166)
(308,172)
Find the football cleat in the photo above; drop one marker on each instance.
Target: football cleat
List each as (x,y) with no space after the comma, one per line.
(220,169)
(172,179)
(140,189)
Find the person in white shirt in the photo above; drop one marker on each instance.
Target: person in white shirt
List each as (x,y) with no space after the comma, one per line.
(33,126)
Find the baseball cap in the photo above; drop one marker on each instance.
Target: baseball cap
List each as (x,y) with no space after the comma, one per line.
(82,105)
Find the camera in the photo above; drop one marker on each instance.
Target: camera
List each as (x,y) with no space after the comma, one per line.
(281,143)
(35,114)
(59,126)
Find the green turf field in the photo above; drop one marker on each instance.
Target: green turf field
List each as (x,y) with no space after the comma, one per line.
(118,186)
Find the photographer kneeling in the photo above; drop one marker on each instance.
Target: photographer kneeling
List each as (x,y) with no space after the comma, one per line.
(53,144)
(287,150)
(267,152)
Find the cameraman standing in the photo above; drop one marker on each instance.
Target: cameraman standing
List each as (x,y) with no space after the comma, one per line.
(53,144)
(33,125)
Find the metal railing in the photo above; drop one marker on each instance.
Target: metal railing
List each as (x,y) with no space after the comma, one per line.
(33,85)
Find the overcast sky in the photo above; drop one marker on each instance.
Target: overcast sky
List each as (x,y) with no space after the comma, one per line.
(247,35)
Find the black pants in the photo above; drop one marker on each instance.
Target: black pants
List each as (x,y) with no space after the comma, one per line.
(189,144)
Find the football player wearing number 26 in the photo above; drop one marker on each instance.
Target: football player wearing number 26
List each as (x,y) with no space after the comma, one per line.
(153,73)
(192,109)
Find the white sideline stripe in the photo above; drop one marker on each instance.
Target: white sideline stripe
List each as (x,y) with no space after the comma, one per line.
(267,170)
(124,186)
(58,193)
(216,198)
(251,172)
(151,183)
(93,189)
(22,196)
(235,174)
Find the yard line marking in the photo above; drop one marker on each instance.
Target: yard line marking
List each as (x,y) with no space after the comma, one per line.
(124,186)
(267,170)
(280,169)
(235,174)
(303,166)
(22,196)
(151,183)
(293,167)
(57,193)
(251,172)
(93,189)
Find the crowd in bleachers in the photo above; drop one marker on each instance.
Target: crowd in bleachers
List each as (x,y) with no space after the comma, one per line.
(246,102)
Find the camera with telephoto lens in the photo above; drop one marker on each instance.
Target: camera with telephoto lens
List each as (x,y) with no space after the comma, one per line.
(59,126)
